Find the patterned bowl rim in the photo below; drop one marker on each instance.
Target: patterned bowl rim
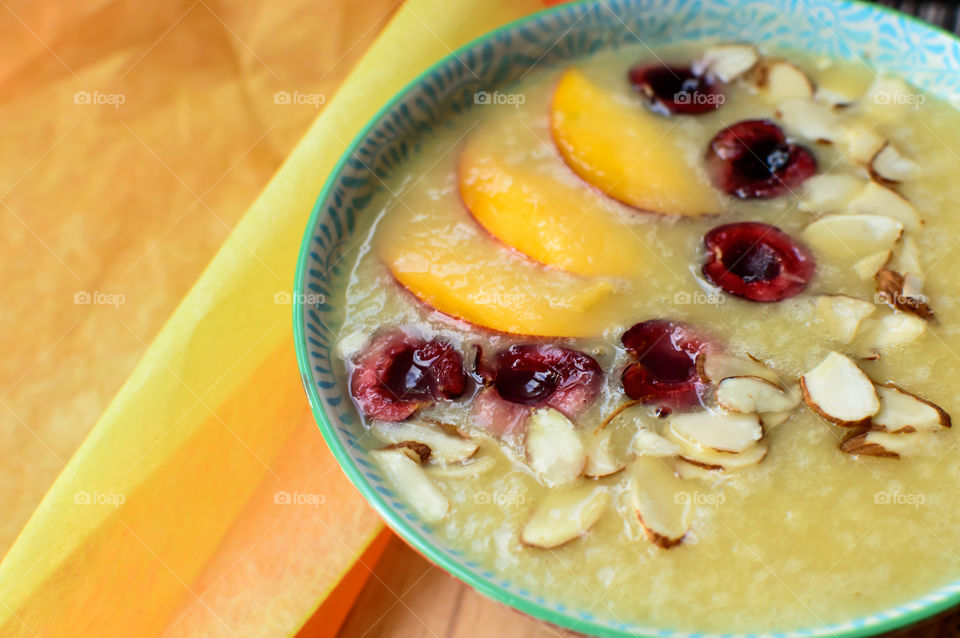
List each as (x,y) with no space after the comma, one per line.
(879,622)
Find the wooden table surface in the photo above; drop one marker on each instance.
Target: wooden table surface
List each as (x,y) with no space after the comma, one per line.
(407,597)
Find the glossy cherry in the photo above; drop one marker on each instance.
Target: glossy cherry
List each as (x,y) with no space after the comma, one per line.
(665,371)
(753,160)
(547,375)
(757,261)
(673,90)
(397,374)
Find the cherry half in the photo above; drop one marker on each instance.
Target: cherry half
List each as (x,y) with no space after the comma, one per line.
(548,375)
(397,374)
(674,90)
(753,160)
(757,261)
(665,371)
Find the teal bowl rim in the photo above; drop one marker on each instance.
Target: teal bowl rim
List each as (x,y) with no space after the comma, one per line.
(408,532)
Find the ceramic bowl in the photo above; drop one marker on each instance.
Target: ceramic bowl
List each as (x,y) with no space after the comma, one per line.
(928,57)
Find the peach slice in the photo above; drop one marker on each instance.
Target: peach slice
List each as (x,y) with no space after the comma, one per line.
(453,268)
(539,216)
(626,152)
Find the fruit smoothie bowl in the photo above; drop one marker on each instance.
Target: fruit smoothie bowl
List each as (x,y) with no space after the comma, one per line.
(640,317)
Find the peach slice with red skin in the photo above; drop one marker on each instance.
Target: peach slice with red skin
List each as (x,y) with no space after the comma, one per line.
(543,218)
(628,153)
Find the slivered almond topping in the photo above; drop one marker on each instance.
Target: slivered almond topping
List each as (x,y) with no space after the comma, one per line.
(565,515)
(724,432)
(647,443)
(868,267)
(779,80)
(603,457)
(876,199)
(445,446)
(903,412)
(813,120)
(860,443)
(728,61)
(752,394)
(663,506)
(890,290)
(408,478)
(842,314)
(890,331)
(853,236)
(839,391)
(892,167)
(715,367)
(554,450)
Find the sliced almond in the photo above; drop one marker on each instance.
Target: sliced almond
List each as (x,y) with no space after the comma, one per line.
(771,420)
(865,443)
(663,507)
(842,314)
(713,367)
(839,391)
(830,193)
(729,61)
(565,515)
(892,289)
(779,80)
(688,470)
(416,451)
(875,199)
(836,85)
(713,460)
(603,457)
(906,257)
(890,331)
(752,394)
(812,120)
(853,236)
(719,431)
(863,143)
(901,411)
(647,443)
(553,448)
(408,478)
(891,166)
(458,471)
(445,446)
(868,267)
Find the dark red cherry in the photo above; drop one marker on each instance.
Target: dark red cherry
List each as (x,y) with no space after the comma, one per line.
(665,371)
(398,374)
(753,160)
(757,261)
(676,90)
(548,375)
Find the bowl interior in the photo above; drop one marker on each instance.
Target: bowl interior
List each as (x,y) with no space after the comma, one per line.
(892,42)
